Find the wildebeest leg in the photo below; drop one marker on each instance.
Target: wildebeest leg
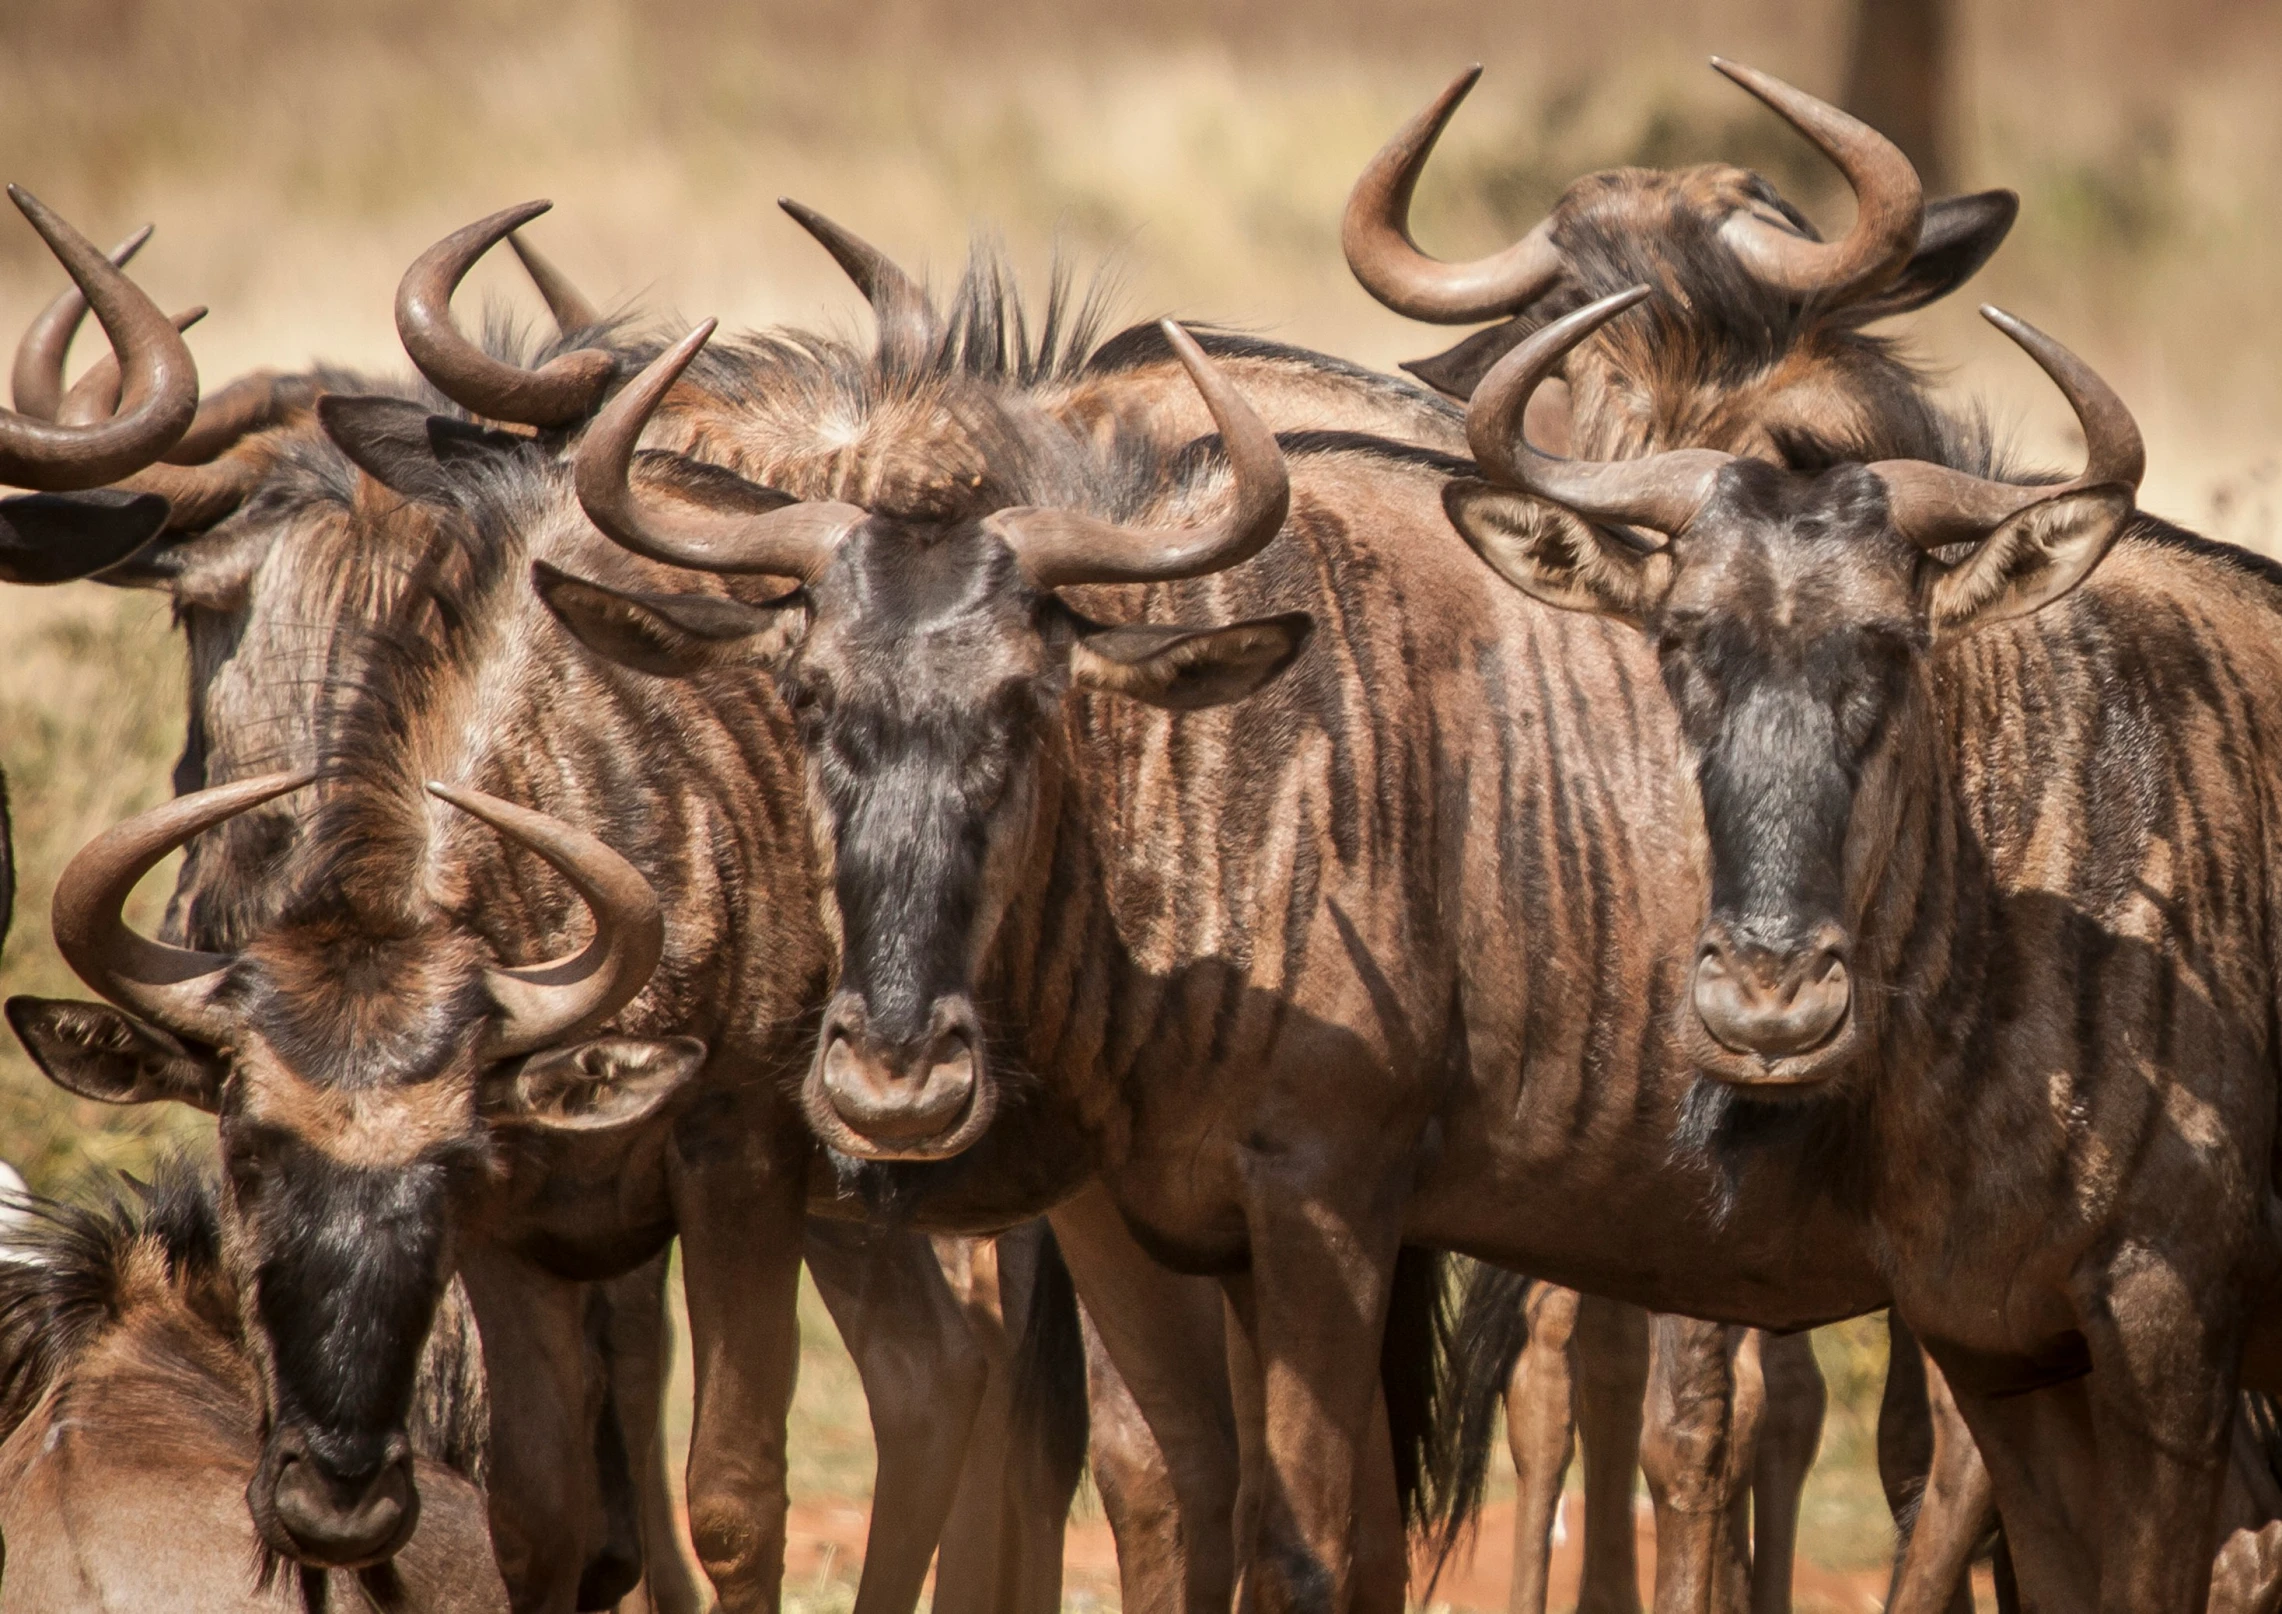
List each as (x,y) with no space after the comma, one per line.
(1540,1429)
(2045,1474)
(1002,1550)
(740,1216)
(1693,1454)
(1790,1433)
(1951,1505)
(1382,1561)
(923,1372)
(1165,1334)
(1136,1487)
(1612,1384)
(641,1367)
(544,1505)
(1314,1307)
(614,1568)
(2163,1407)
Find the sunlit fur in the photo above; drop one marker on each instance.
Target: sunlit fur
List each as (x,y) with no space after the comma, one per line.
(1402,938)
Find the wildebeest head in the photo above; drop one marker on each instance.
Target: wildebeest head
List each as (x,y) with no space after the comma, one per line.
(1757,348)
(1794,615)
(927,653)
(358,1069)
(363,1046)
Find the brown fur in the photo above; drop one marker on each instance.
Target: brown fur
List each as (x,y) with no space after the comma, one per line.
(124,1462)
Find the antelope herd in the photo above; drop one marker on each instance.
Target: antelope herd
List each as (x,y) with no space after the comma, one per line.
(1169,870)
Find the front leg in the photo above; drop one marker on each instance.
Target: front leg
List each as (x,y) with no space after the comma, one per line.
(923,1372)
(1169,1467)
(1790,1433)
(1937,1484)
(1314,1310)
(2162,1390)
(1540,1428)
(1612,1389)
(1695,1455)
(741,1214)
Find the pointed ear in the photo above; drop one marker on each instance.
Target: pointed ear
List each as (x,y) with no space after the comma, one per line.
(60,537)
(103,1053)
(1183,669)
(1555,555)
(404,448)
(1457,371)
(2030,561)
(593,1086)
(1960,234)
(670,635)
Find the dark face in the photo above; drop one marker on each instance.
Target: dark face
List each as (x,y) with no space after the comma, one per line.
(1791,640)
(358,1124)
(928,674)
(350,1137)
(927,678)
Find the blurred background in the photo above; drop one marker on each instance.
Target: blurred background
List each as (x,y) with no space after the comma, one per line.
(296,154)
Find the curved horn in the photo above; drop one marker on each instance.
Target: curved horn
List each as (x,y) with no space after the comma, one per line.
(197,496)
(172,987)
(1661,492)
(37,381)
(569,306)
(1934,505)
(899,305)
(161,390)
(557,393)
(1889,203)
(254,402)
(94,397)
(762,531)
(544,1004)
(1375,235)
(1057,548)
(199,486)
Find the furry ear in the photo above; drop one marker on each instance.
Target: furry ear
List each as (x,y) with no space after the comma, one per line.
(1960,234)
(106,1054)
(594,1086)
(1457,371)
(61,537)
(670,635)
(1183,669)
(1553,554)
(404,448)
(2030,561)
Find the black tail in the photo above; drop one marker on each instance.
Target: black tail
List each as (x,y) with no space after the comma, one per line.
(2261,1415)
(1050,1372)
(1479,1351)
(1410,1373)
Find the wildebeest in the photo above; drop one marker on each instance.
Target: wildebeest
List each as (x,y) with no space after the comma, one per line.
(1227,1047)
(131,1421)
(1757,348)
(343,571)
(2019,1049)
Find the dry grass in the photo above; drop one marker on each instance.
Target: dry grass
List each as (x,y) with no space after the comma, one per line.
(296,153)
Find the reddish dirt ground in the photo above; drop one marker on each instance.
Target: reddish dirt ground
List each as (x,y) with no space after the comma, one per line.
(828,1538)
